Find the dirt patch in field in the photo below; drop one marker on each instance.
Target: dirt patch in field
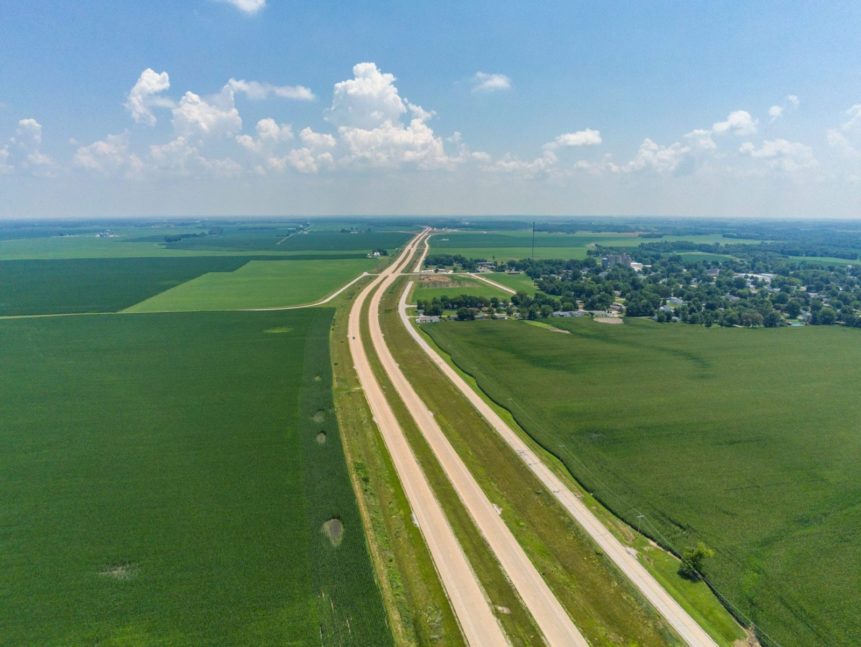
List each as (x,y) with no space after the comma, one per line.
(122,571)
(333,529)
(320,416)
(441,281)
(321,438)
(280,330)
(317,378)
(609,320)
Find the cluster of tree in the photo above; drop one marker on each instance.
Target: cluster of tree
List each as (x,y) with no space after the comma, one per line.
(453,260)
(760,290)
(175,238)
(539,306)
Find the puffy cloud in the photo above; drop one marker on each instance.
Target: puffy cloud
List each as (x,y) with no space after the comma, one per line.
(108,156)
(368,109)
(739,122)
(269,133)
(775,112)
(587,137)
(528,168)
(250,7)
(181,157)
(701,139)
(317,140)
(653,156)
(23,150)
(195,116)
(368,100)
(392,144)
(781,154)
(145,95)
(29,133)
(257,90)
(484,82)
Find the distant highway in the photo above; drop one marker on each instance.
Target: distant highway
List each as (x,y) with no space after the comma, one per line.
(688,629)
(470,605)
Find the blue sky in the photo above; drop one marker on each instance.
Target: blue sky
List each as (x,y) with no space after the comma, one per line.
(126,108)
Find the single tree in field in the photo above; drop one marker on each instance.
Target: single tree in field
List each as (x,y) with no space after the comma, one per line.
(691,567)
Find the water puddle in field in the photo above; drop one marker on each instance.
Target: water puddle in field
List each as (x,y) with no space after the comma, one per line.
(333,529)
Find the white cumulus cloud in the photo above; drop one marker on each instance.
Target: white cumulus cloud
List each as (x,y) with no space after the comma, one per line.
(257,90)
(587,137)
(739,122)
(776,111)
(368,111)
(269,133)
(108,156)
(368,100)
(146,94)
(781,154)
(485,82)
(195,116)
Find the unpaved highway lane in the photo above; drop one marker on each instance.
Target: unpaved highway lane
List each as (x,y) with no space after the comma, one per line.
(471,607)
(550,616)
(687,628)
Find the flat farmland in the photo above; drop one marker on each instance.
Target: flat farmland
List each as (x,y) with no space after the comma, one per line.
(745,439)
(436,285)
(177,479)
(518,282)
(507,245)
(259,284)
(98,284)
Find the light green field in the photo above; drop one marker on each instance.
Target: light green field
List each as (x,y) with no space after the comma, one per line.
(745,439)
(456,286)
(519,282)
(508,245)
(258,284)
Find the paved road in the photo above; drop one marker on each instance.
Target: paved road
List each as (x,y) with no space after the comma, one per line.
(470,605)
(550,616)
(687,628)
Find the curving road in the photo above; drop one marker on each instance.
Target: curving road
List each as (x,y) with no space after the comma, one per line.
(687,628)
(471,607)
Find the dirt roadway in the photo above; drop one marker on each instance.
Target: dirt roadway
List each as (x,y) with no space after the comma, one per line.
(471,607)
(687,628)
(499,286)
(550,616)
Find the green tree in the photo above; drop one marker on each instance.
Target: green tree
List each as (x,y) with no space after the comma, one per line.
(692,561)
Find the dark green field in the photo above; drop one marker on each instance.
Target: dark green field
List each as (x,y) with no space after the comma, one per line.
(281,240)
(746,439)
(166,480)
(97,284)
